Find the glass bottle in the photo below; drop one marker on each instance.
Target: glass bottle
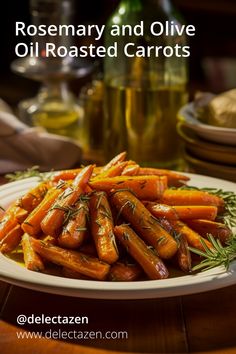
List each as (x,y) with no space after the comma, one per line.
(143,94)
(91,99)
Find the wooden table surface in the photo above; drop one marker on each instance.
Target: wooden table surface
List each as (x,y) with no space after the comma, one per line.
(200,323)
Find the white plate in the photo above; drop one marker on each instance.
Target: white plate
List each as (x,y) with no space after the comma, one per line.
(187,115)
(11,272)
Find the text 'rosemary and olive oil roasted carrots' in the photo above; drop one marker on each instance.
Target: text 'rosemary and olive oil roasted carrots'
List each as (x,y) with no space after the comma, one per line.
(76,219)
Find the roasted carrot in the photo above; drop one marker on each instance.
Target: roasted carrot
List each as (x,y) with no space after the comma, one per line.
(31,225)
(69,273)
(113,171)
(121,271)
(89,248)
(75,231)
(102,228)
(144,223)
(31,258)
(77,261)
(146,258)
(11,240)
(20,214)
(190,197)
(34,197)
(8,222)
(66,175)
(183,212)
(161,210)
(183,254)
(174,178)
(144,187)
(117,159)
(216,229)
(193,238)
(131,170)
(53,221)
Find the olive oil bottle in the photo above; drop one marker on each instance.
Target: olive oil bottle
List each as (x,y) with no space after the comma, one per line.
(143,94)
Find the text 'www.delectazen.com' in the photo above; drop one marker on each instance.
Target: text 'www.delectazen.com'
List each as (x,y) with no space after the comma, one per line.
(72,335)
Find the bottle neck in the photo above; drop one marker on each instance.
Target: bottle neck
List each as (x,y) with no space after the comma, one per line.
(140,4)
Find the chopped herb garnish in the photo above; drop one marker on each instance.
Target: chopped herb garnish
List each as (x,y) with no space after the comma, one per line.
(30,172)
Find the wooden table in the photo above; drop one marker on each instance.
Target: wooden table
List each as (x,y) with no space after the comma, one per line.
(201,323)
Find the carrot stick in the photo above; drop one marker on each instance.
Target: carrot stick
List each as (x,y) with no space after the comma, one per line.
(20,214)
(193,238)
(69,273)
(117,159)
(190,197)
(11,240)
(113,171)
(183,212)
(131,170)
(216,229)
(77,261)
(34,197)
(31,258)
(161,210)
(31,225)
(148,260)
(144,223)
(75,231)
(53,221)
(7,223)
(174,178)
(124,272)
(102,228)
(144,187)
(183,255)
(66,175)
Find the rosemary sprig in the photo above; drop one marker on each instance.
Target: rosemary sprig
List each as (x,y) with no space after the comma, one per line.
(217,255)
(30,172)
(1,208)
(228,217)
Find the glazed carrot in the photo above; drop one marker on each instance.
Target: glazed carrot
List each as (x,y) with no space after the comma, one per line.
(75,231)
(20,214)
(131,170)
(147,259)
(102,228)
(66,175)
(144,187)
(121,271)
(34,197)
(207,212)
(144,223)
(193,238)
(113,171)
(77,261)
(117,159)
(216,229)
(69,273)
(175,179)
(89,248)
(190,197)
(8,222)
(161,210)
(183,212)
(31,258)
(31,225)
(183,254)
(53,221)
(11,240)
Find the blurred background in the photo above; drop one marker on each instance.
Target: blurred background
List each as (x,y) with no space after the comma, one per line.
(213,50)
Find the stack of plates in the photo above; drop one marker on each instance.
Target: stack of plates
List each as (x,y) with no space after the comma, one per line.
(209,150)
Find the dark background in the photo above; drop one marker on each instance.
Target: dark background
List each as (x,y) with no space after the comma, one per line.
(213,49)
